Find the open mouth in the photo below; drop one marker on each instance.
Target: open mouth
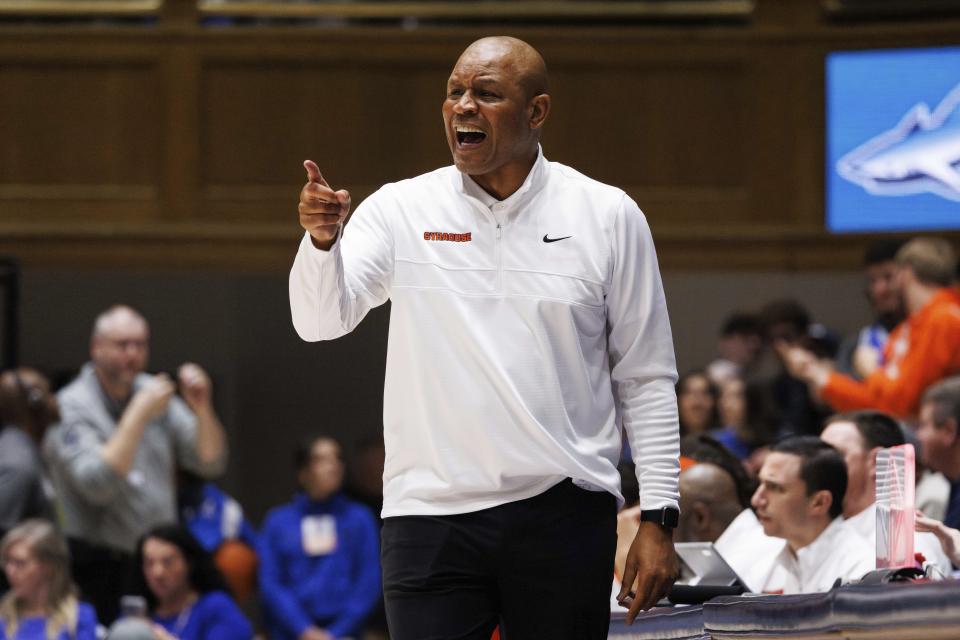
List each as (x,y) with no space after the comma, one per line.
(467,135)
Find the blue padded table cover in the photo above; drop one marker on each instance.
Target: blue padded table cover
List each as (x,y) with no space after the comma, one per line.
(898,605)
(771,615)
(660,623)
(848,608)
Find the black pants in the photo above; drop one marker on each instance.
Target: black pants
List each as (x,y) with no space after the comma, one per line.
(540,567)
(104,575)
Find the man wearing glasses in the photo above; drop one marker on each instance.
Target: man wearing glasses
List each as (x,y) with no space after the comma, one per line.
(113,457)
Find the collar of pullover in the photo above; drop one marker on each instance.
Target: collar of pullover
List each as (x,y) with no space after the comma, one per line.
(534,181)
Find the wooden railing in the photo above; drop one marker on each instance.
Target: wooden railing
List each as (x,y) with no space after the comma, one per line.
(177,145)
(80,7)
(439,9)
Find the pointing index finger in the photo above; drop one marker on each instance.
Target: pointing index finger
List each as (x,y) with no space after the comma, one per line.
(313,173)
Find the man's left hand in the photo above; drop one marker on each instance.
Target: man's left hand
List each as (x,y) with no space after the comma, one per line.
(194,386)
(651,565)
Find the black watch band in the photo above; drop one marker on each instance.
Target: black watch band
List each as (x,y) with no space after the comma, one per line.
(667,517)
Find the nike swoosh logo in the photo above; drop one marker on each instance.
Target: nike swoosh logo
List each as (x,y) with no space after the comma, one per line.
(546,239)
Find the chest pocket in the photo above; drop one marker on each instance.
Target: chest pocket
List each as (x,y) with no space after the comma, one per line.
(457,260)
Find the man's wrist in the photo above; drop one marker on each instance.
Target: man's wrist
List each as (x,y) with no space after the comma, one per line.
(325,244)
(665,517)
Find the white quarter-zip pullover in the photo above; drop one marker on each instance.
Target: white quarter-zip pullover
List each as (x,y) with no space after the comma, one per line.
(520,331)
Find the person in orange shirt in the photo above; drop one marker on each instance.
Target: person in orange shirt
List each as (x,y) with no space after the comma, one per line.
(922,349)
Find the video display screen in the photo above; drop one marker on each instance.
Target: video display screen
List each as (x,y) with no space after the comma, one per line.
(893,140)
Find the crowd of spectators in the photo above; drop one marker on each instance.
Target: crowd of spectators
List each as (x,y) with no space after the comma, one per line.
(110,514)
(112,524)
(782,429)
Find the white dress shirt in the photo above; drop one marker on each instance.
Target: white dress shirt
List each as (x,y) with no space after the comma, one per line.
(838,552)
(748,550)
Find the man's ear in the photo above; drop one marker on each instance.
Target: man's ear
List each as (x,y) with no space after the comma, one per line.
(949,427)
(872,461)
(700,517)
(820,503)
(539,109)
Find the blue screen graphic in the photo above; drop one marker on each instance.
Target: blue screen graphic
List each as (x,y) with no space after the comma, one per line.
(893,140)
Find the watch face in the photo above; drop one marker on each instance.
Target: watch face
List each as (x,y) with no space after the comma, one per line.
(671,517)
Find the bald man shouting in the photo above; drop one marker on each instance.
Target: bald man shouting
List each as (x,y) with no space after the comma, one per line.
(528,322)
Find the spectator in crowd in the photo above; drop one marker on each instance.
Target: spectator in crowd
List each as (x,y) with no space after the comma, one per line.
(923,349)
(218,523)
(858,436)
(319,566)
(788,322)
(948,537)
(939,435)
(748,416)
(800,499)
(42,602)
(187,597)
(739,347)
(114,455)
(860,354)
(697,403)
(742,542)
(27,409)
(708,503)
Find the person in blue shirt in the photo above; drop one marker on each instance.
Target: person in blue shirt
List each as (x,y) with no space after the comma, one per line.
(186,595)
(219,524)
(42,601)
(319,555)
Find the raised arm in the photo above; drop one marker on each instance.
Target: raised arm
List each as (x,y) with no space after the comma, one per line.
(149,402)
(339,275)
(208,445)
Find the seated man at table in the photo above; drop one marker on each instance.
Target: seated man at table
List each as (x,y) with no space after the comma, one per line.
(800,499)
(715,507)
(859,436)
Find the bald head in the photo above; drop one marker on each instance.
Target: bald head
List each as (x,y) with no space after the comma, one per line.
(524,62)
(708,503)
(119,348)
(117,317)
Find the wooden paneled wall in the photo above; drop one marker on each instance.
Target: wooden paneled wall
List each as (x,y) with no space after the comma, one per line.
(175,146)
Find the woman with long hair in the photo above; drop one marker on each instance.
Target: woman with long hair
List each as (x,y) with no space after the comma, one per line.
(42,602)
(697,403)
(188,598)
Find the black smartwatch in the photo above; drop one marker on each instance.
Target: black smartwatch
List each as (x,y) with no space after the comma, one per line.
(667,517)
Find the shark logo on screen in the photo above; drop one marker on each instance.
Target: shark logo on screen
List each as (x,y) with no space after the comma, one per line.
(921,154)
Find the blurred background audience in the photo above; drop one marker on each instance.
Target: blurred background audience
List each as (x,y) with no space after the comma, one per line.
(42,602)
(114,455)
(319,554)
(92,479)
(188,598)
(27,409)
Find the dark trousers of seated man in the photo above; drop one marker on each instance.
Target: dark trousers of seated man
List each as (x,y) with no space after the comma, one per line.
(104,575)
(540,568)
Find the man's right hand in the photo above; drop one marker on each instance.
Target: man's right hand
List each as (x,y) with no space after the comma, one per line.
(151,399)
(322,210)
